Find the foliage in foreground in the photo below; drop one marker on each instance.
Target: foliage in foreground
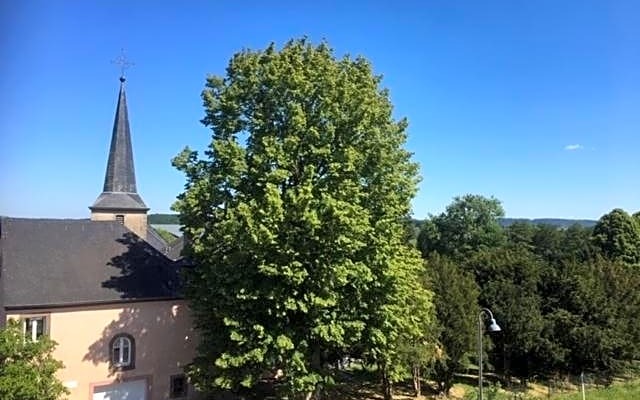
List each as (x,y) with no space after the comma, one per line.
(297,220)
(27,368)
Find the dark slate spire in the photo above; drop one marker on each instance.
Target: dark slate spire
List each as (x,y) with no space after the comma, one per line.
(119,190)
(120,176)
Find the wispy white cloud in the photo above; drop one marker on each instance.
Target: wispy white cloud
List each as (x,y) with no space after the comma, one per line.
(573,147)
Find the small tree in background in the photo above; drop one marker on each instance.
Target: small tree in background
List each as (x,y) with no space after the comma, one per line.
(617,234)
(470,223)
(27,368)
(456,303)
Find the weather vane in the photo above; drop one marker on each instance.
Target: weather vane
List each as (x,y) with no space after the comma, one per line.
(123,63)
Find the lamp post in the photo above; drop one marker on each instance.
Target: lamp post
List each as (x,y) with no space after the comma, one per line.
(493,327)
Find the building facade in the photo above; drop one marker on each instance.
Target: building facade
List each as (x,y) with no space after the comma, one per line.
(106,289)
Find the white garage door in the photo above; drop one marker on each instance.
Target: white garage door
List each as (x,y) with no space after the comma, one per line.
(130,390)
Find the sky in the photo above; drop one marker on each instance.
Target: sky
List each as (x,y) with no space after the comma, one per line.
(536,103)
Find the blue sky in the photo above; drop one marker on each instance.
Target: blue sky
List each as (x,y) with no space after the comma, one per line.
(534,102)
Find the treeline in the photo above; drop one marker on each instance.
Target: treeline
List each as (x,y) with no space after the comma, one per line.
(567,299)
(557,222)
(164,219)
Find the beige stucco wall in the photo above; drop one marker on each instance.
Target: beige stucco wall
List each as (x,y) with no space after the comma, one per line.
(164,343)
(137,222)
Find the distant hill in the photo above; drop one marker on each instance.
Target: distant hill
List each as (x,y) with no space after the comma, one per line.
(173,219)
(163,219)
(559,222)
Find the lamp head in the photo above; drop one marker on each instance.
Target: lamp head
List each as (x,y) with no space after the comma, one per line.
(493,326)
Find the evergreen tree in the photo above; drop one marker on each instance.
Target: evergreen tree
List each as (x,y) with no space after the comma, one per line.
(456,303)
(509,279)
(521,233)
(577,245)
(606,303)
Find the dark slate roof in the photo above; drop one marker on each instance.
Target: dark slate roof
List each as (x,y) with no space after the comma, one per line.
(119,201)
(119,189)
(45,262)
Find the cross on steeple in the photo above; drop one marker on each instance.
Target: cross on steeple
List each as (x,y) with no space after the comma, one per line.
(119,191)
(123,63)
(119,200)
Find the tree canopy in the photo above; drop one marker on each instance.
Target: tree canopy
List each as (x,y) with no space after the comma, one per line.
(468,224)
(297,221)
(617,234)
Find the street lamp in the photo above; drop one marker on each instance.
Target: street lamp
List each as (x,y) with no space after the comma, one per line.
(493,327)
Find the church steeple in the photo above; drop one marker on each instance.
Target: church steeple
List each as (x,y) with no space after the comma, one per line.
(119,199)
(120,176)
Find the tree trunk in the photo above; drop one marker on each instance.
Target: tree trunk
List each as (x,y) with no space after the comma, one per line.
(417,385)
(314,394)
(316,365)
(387,385)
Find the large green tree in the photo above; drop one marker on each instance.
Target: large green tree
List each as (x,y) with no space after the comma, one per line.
(27,368)
(296,220)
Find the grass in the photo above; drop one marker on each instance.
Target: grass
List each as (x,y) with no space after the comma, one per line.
(626,390)
(618,391)
(362,383)
(369,390)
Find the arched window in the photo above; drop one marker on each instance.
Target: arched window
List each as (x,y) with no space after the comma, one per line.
(123,351)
